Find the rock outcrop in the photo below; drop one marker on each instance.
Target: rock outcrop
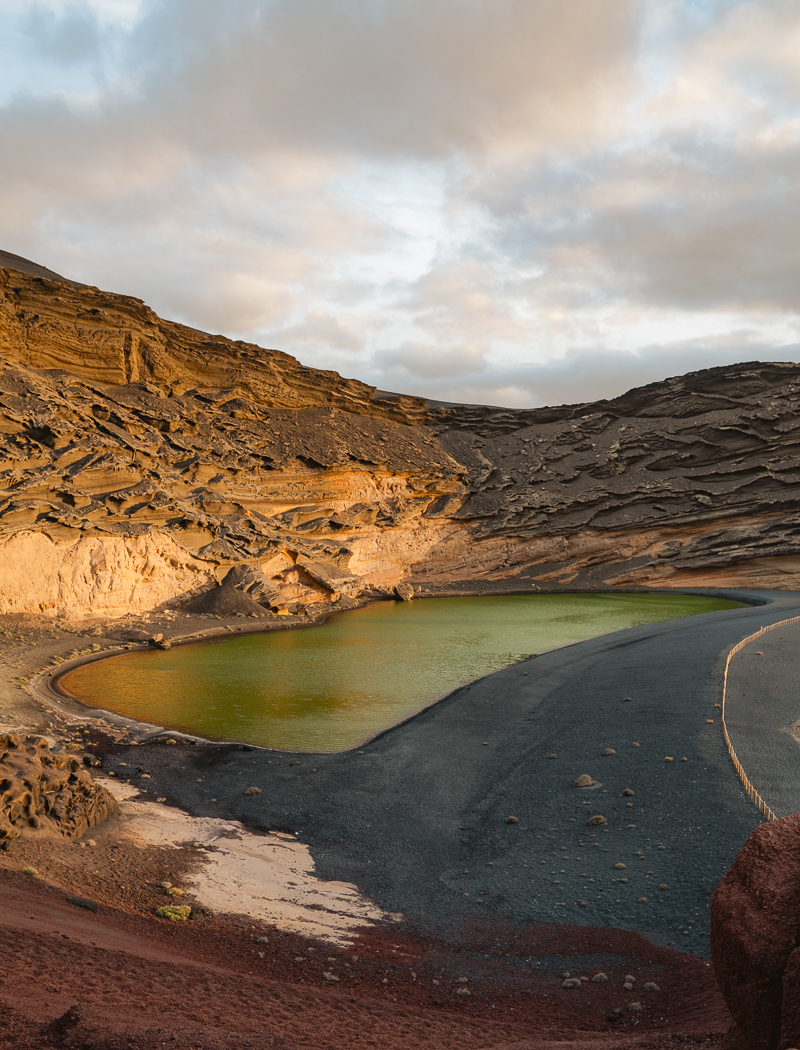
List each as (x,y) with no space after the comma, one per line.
(755,928)
(47,791)
(141,460)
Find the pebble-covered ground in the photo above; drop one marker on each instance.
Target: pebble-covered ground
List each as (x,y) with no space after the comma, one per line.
(461,822)
(419,818)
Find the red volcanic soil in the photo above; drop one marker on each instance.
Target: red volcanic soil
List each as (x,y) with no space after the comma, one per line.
(122,979)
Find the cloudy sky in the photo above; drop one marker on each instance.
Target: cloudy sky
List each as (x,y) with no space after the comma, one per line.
(516,202)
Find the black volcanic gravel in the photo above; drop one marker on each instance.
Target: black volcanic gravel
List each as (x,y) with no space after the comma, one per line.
(762,708)
(417,819)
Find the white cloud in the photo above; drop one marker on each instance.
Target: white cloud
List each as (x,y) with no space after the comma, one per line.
(499,200)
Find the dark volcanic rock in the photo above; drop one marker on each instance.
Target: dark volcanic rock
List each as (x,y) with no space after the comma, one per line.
(225,600)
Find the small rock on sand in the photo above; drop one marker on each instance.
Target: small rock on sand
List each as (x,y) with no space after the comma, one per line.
(252,791)
(596,820)
(609,751)
(584,781)
(82,902)
(512,820)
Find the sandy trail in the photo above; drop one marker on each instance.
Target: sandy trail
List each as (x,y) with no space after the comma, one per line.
(269,878)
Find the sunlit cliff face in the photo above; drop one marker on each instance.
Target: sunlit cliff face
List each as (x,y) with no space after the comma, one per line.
(142,460)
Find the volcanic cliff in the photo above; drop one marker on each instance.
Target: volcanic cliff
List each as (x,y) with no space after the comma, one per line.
(143,460)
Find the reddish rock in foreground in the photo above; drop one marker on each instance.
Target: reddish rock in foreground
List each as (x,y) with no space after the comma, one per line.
(755,924)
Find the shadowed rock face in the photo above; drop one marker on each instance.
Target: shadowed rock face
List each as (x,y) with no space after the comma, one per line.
(142,459)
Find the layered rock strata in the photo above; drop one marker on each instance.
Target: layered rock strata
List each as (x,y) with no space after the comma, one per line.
(141,460)
(48,791)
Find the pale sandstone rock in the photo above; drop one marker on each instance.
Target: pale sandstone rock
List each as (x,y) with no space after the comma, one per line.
(94,575)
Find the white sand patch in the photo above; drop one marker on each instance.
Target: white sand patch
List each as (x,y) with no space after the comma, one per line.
(268,877)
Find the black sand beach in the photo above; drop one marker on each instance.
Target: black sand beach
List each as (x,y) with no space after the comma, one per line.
(762,709)
(418,818)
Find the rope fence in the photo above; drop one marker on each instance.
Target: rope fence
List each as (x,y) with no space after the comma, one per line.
(752,794)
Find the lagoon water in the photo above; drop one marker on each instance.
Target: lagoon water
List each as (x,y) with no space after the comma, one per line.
(331,687)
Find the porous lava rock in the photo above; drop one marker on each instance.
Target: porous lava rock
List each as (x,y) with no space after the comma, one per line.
(47,790)
(755,926)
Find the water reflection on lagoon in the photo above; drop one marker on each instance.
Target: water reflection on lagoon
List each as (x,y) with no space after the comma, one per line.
(329,688)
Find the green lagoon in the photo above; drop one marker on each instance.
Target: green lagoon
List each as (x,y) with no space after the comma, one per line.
(331,687)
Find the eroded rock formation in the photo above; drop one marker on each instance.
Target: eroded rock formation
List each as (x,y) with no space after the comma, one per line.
(142,460)
(50,791)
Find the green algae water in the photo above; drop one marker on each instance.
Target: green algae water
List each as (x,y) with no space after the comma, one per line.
(331,687)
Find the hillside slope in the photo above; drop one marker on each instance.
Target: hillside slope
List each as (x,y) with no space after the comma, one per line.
(142,460)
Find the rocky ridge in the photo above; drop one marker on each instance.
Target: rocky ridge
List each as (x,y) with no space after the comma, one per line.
(141,461)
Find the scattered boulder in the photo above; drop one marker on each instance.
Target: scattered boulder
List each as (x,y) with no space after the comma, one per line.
(596,820)
(82,902)
(627,793)
(584,781)
(48,790)
(252,791)
(755,924)
(404,591)
(609,751)
(512,820)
